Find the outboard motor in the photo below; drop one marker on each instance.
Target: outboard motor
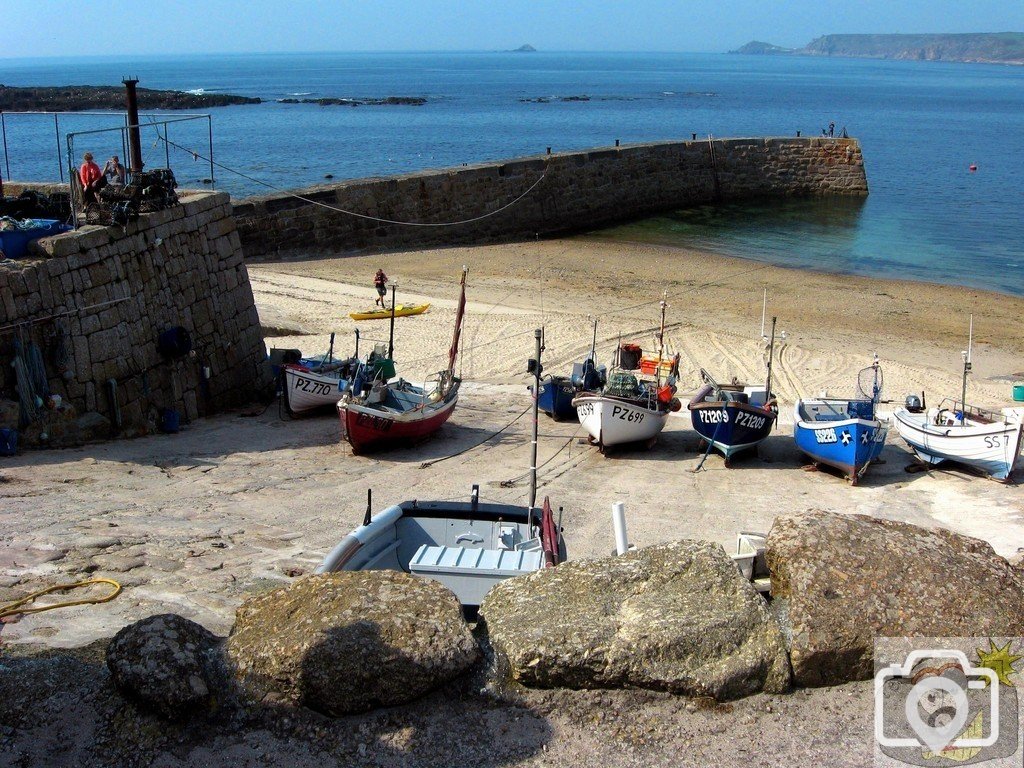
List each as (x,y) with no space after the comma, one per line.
(914,404)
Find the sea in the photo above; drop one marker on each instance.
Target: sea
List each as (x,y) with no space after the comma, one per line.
(922,126)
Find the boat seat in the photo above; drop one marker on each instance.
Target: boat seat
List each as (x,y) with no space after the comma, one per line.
(471,572)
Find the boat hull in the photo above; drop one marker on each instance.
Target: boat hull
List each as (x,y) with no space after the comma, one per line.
(307,391)
(992,448)
(556,396)
(731,427)
(401,310)
(849,445)
(617,421)
(368,428)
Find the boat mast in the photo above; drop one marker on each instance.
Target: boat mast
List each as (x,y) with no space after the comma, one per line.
(533,441)
(593,345)
(771,355)
(453,353)
(764,310)
(661,333)
(967,370)
(391,335)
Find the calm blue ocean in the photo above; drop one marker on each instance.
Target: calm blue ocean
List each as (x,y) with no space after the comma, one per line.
(921,124)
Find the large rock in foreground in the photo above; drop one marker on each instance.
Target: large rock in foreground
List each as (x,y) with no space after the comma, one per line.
(347,642)
(167,663)
(673,617)
(850,578)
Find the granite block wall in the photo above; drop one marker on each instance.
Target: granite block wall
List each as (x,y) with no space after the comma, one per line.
(578,191)
(94,302)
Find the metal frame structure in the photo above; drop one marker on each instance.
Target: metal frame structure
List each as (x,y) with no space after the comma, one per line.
(154,122)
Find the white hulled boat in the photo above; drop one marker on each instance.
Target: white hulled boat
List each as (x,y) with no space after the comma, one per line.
(987,440)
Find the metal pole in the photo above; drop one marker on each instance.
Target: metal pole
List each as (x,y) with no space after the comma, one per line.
(391,335)
(167,145)
(967,370)
(771,354)
(71,182)
(3,129)
(533,443)
(124,144)
(134,139)
(209,122)
(56,135)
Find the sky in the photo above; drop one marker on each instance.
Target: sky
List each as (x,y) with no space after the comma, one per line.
(48,28)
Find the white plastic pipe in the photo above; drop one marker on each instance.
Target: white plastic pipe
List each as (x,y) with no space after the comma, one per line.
(619,524)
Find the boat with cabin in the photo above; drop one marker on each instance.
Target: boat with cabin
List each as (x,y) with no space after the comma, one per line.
(843,433)
(986,440)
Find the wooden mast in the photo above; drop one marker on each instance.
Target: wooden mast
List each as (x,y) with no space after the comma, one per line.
(453,353)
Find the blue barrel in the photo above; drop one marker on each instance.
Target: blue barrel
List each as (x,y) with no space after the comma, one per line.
(170,421)
(1018,393)
(8,442)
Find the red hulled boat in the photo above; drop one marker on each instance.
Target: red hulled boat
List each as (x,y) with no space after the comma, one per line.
(377,413)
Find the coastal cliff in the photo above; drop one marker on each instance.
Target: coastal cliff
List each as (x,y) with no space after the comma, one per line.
(994,47)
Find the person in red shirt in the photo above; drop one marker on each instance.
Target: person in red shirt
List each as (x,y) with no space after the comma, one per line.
(92,178)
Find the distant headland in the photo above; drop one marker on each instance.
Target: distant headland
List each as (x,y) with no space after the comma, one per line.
(981,47)
(525,48)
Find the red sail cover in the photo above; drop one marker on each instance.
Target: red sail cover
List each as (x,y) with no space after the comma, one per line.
(549,535)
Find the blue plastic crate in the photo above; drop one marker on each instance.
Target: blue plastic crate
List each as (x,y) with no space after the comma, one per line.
(14,243)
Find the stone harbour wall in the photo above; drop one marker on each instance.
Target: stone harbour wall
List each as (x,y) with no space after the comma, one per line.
(94,302)
(579,191)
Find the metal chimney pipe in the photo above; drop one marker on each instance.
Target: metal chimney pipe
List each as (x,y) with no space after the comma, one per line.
(134,140)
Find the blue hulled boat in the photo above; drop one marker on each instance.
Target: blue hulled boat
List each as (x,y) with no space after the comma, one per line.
(557,392)
(732,418)
(843,433)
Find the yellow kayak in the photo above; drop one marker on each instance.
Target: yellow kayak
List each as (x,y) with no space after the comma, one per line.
(401,310)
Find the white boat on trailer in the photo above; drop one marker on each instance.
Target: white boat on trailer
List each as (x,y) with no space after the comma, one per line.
(955,431)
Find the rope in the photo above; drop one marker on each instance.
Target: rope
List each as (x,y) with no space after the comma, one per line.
(354,213)
(427,464)
(33,321)
(511,483)
(12,609)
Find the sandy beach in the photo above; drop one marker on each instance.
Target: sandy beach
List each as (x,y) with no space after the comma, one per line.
(194,523)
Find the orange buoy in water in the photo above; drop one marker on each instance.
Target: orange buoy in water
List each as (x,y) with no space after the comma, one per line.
(972,168)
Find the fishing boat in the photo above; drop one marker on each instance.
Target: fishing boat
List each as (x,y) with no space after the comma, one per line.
(843,433)
(378,412)
(987,440)
(315,383)
(467,546)
(402,310)
(557,392)
(732,418)
(629,409)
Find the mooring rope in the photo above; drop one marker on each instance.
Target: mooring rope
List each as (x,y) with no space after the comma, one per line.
(198,156)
